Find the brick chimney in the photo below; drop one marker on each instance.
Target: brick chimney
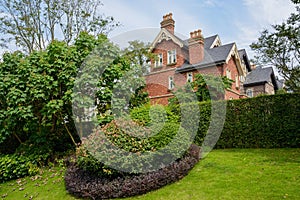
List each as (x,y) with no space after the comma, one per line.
(196,47)
(168,23)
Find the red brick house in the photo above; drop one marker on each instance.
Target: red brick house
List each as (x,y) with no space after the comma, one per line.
(179,60)
(261,81)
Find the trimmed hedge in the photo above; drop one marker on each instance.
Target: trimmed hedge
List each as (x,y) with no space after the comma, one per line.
(85,184)
(261,122)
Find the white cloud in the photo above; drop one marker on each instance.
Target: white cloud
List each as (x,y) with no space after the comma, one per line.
(210,3)
(140,15)
(262,15)
(269,11)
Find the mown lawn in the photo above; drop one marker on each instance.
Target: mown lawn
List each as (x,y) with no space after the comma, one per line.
(223,174)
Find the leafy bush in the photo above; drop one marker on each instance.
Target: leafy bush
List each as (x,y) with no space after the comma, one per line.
(148,114)
(15,166)
(85,184)
(166,142)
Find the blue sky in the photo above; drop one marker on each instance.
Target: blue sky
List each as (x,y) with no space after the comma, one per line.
(237,21)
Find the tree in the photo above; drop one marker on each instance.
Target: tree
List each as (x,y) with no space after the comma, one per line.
(205,86)
(280,47)
(210,87)
(36,92)
(33,24)
(138,53)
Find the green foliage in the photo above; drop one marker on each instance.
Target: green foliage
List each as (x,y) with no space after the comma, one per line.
(36,90)
(206,87)
(133,138)
(15,166)
(148,114)
(210,87)
(109,81)
(125,185)
(261,122)
(280,48)
(138,53)
(34,24)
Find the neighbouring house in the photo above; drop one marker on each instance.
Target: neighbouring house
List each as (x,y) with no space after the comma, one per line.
(179,60)
(281,84)
(261,81)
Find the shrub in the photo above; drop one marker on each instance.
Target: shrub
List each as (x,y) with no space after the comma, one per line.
(15,166)
(84,184)
(147,114)
(152,146)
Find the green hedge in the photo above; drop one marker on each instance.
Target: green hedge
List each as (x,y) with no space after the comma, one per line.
(262,122)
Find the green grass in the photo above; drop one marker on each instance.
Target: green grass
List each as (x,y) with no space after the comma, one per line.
(223,174)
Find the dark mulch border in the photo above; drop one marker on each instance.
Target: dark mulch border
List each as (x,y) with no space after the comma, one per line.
(84,184)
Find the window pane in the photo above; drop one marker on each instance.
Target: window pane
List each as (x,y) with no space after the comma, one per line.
(171,56)
(171,83)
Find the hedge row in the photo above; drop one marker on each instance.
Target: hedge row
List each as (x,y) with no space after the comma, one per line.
(261,122)
(85,184)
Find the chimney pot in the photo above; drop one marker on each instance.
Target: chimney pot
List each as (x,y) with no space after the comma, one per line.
(168,23)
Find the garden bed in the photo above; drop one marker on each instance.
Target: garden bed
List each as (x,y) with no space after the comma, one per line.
(85,184)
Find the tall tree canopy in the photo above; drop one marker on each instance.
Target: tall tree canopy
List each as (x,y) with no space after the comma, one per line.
(33,24)
(36,90)
(280,47)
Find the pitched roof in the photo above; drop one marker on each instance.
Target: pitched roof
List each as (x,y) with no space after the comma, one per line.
(260,75)
(242,52)
(243,55)
(164,34)
(280,83)
(208,42)
(212,57)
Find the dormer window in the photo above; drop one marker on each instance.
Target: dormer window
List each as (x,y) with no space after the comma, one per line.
(171,57)
(159,60)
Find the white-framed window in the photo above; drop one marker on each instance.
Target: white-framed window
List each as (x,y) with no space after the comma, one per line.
(171,83)
(249,92)
(172,56)
(237,81)
(159,60)
(189,77)
(228,73)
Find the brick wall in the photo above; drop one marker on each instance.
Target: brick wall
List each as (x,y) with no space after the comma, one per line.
(269,88)
(157,84)
(164,47)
